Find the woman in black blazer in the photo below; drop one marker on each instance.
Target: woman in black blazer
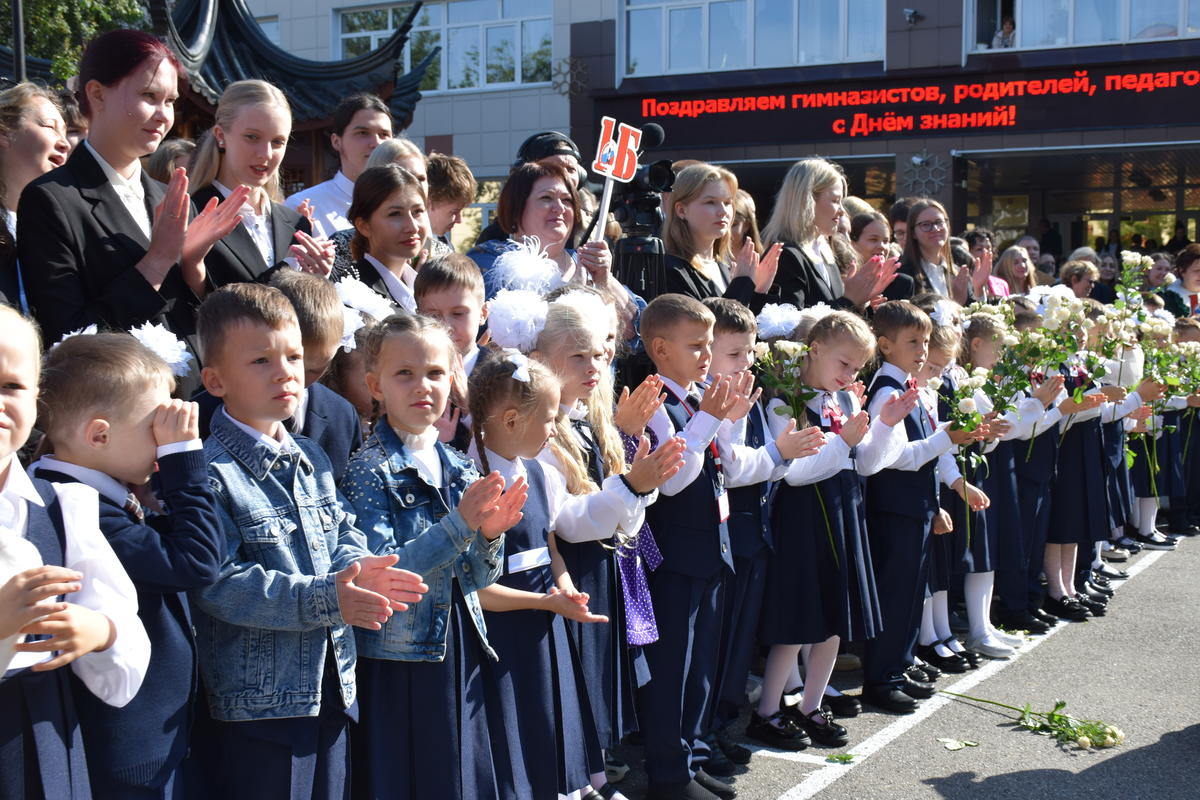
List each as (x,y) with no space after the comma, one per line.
(807,210)
(696,235)
(245,147)
(98,240)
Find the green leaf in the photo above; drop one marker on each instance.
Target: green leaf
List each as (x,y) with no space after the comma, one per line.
(840,758)
(957,744)
(783,411)
(1077,395)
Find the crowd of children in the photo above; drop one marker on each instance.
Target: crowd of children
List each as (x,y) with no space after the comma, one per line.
(493,624)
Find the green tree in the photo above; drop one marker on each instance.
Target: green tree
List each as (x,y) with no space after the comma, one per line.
(58,29)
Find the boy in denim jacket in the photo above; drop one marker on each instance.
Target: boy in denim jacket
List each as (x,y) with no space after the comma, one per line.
(276,652)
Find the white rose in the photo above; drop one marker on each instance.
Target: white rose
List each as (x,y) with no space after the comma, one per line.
(1010,340)
(1168,279)
(1052,323)
(966,405)
(761,349)
(934,383)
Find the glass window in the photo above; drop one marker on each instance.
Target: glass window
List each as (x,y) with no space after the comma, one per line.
(727,39)
(1193,18)
(1045,24)
(1064,23)
(666,36)
(475,51)
(1097,21)
(1153,19)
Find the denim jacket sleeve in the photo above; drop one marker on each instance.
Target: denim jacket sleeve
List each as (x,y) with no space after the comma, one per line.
(486,562)
(351,542)
(388,532)
(248,595)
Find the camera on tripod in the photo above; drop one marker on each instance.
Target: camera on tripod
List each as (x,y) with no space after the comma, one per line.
(638,208)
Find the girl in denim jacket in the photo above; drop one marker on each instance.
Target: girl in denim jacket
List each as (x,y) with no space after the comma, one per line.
(423,730)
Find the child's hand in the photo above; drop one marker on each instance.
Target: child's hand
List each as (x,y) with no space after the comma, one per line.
(479,498)
(1115,394)
(1151,391)
(21,596)
(1139,426)
(1090,401)
(960,437)
(794,443)
(358,606)
(718,398)
(899,406)
(651,470)
(571,605)
(855,428)
(635,409)
(74,631)
(176,421)
(1141,413)
(506,512)
(744,394)
(1048,389)
(859,390)
(942,522)
(972,496)
(399,586)
(447,423)
(998,429)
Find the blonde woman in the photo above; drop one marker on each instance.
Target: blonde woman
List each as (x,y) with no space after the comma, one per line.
(808,210)
(1017,270)
(702,259)
(245,147)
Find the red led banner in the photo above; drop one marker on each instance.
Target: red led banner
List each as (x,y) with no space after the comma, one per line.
(1125,96)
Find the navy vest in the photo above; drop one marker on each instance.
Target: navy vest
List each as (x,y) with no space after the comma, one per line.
(749,521)
(529,535)
(904,492)
(686,526)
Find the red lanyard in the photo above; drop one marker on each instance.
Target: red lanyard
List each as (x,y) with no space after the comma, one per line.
(712,446)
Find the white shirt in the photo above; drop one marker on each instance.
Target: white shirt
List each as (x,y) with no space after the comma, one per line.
(919,452)
(470,360)
(822,258)
(107,486)
(697,434)
(422,447)
(399,288)
(936,275)
(284,443)
(879,448)
(116,674)
(257,225)
(129,190)
(330,203)
(301,410)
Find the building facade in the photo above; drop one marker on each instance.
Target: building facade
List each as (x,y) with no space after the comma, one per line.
(1083,113)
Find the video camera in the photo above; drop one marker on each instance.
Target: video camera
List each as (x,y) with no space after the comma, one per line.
(637,206)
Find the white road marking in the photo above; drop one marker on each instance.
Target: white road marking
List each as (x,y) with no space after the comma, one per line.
(828,773)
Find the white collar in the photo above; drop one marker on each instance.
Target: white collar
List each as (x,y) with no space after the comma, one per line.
(398,288)
(108,486)
(285,443)
(1178,288)
(680,392)
(423,442)
(509,470)
(133,183)
(576,412)
(892,371)
(246,209)
(343,184)
(470,360)
(18,484)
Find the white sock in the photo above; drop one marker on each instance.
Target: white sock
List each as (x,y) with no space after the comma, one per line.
(781,661)
(1147,515)
(597,780)
(1097,561)
(818,669)
(976,587)
(928,633)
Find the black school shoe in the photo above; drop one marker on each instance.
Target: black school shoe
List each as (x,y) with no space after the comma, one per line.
(718,762)
(1019,621)
(777,731)
(1112,573)
(1097,609)
(1067,608)
(1049,619)
(842,705)
(919,675)
(733,751)
(718,787)
(929,669)
(917,689)
(952,663)
(889,698)
(821,728)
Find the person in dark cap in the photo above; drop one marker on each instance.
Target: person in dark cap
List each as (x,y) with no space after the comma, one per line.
(547,147)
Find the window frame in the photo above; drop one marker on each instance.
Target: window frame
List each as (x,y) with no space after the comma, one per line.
(1125,13)
(664,7)
(443,29)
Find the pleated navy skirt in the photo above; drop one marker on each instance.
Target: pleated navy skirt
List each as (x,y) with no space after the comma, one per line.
(1004,514)
(1079,497)
(1117,481)
(1167,453)
(971,545)
(820,581)
(41,748)
(423,725)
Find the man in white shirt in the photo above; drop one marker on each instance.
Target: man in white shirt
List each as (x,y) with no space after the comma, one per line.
(360,123)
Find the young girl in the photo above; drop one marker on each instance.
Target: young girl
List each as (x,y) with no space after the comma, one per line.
(820,587)
(388,213)
(423,730)
(245,147)
(541,724)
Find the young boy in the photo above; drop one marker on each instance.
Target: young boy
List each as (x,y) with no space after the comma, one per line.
(451,189)
(901,504)
(276,651)
(321,413)
(77,608)
(110,418)
(689,522)
(450,289)
(752,462)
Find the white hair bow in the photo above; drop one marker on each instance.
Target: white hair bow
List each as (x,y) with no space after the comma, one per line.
(166,346)
(520,366)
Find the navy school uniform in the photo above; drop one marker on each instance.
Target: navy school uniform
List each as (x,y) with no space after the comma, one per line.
(1167,453)
(971,546)
(821,581)
(742,598)
(1035,465)
(1188,506)
(329,420)
(542,728)
(686,594)
(136,751)
(607,662)
(41,746)
(1079,497)
(1117,482)
(900,507)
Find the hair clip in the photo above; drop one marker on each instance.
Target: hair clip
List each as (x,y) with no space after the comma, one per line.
(520,366)
(166,346)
